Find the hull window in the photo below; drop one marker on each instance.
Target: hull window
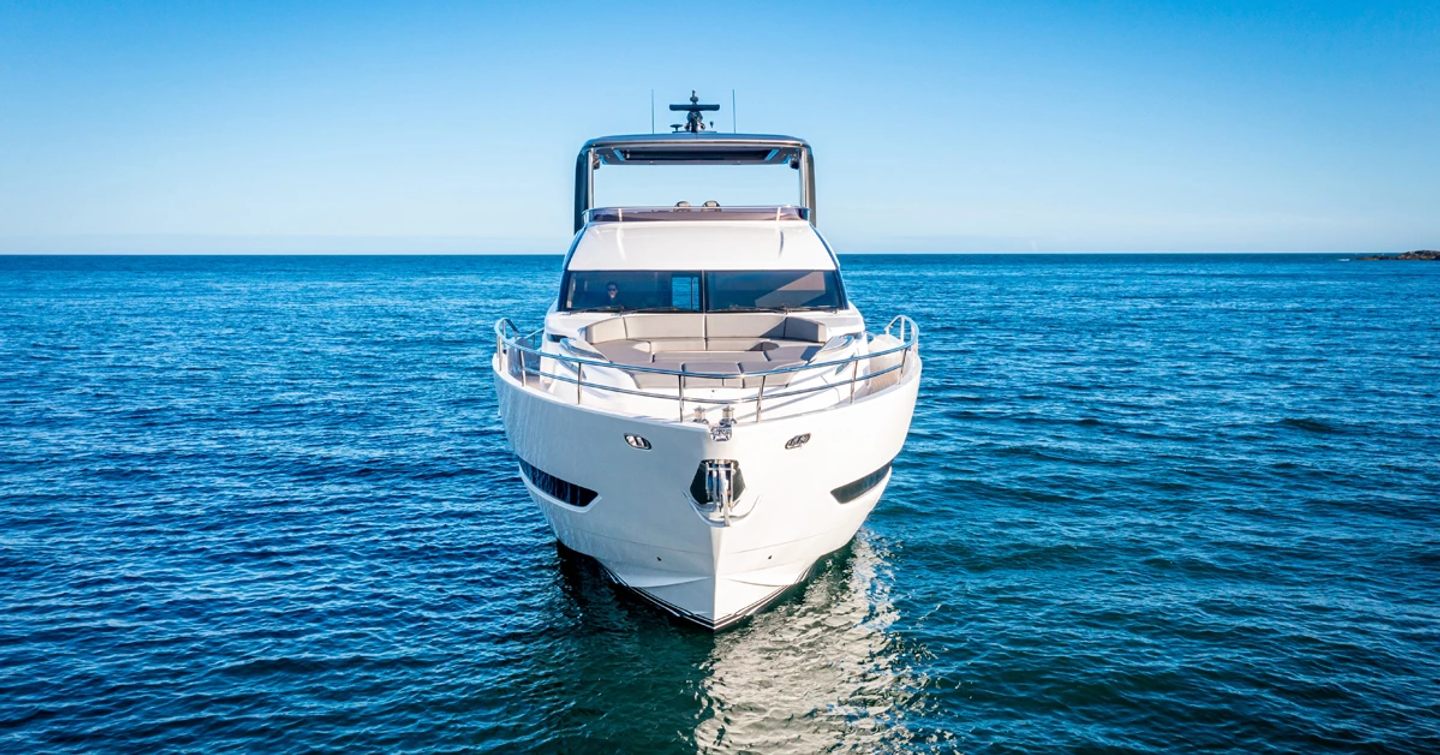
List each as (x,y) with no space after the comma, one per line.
(561,490)
(852,490)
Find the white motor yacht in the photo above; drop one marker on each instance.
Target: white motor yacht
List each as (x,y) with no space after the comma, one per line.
(703,411)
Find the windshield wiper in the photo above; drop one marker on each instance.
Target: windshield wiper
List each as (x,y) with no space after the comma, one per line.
(781,310)
(662,309)
(605,308)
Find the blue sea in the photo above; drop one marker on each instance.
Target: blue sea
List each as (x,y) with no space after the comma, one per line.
(1149,502)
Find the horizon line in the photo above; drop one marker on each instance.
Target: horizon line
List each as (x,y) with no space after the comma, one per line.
(1030,253)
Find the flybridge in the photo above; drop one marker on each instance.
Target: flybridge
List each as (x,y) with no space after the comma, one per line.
(692,147)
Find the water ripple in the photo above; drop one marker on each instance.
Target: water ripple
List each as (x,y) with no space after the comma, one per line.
(1149,502)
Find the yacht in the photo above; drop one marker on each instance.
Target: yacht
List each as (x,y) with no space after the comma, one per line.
(703,411)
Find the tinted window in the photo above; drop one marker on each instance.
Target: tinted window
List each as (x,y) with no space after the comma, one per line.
(772,289)
(630,290)
(681,291)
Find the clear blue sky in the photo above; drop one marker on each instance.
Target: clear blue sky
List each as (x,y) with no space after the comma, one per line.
(415,126)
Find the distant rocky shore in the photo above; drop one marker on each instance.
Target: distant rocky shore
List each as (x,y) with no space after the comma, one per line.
(1419,254)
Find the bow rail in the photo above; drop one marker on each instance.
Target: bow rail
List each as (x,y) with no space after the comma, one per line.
(522,360)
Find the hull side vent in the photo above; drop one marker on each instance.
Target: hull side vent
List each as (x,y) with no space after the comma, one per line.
(852,490)
(561,490)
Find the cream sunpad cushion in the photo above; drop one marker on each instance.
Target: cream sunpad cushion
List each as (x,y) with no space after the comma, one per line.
(798,329)
(659,326)
(667,345)
(611,329)
(744,325)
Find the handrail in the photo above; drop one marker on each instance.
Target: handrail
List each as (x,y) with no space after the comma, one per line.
(505,342)
(912,330)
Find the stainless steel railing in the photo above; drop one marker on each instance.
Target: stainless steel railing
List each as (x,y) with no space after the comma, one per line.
(521,359)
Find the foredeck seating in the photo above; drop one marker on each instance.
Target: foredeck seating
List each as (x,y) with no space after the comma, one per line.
(732,344)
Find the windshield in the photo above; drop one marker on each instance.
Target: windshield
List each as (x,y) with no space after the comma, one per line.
(772,289)
(682,291)
(629,291)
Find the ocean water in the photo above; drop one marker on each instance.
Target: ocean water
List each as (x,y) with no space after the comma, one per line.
(1148,502)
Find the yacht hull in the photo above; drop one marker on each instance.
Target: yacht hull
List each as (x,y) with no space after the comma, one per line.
(645,527)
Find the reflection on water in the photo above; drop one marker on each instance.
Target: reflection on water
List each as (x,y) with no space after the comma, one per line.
(822,670)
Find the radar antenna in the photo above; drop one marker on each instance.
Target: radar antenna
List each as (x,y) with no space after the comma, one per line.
(694,122)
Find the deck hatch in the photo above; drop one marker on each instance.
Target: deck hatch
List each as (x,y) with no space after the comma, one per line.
(561,490)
